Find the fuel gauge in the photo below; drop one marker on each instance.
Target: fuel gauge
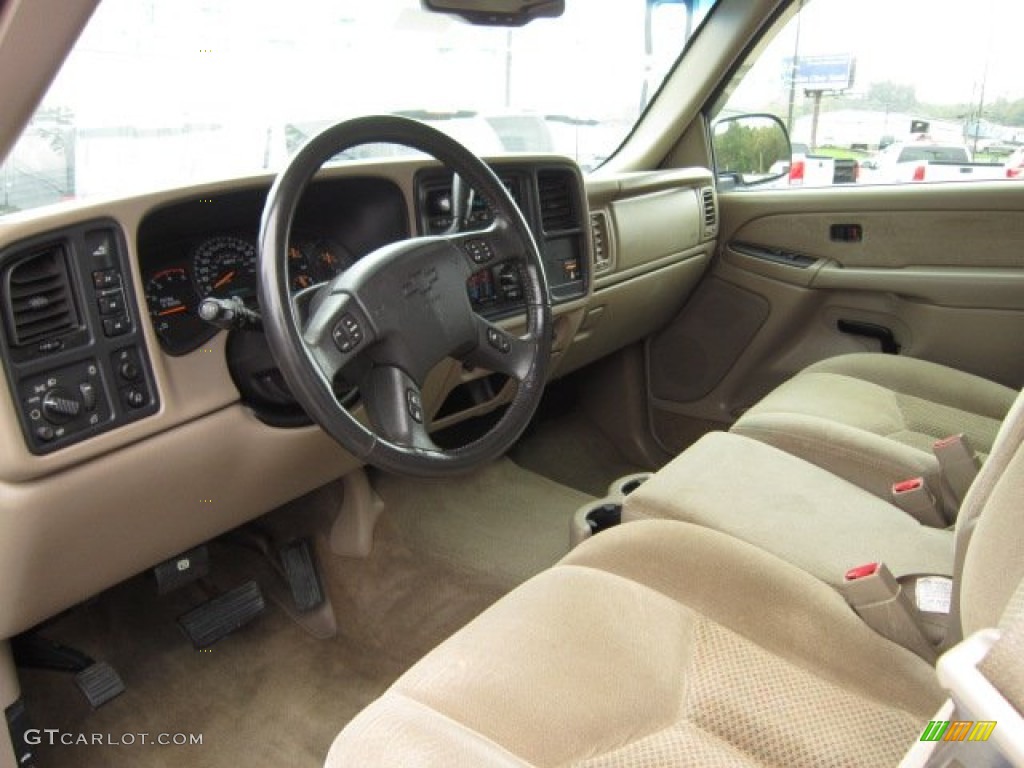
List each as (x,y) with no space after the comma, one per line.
(172,302)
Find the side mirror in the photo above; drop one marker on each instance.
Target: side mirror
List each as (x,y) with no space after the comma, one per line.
(752,149)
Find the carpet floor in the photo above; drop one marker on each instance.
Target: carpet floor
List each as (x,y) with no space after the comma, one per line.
(272,693)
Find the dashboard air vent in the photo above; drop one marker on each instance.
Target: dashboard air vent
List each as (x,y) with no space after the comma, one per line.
(602,244)
(557,203)
(39,303)
(707,195)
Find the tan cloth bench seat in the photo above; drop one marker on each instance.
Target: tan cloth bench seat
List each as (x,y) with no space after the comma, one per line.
(664,643)
(656,643)
(789,507)
(873,418)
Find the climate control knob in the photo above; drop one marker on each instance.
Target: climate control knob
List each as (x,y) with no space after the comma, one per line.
(60,406)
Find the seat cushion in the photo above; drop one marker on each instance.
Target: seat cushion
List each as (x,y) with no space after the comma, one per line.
(790,507)
(656,643)
(873,418)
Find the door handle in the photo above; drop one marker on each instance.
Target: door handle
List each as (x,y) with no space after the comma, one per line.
(883,335)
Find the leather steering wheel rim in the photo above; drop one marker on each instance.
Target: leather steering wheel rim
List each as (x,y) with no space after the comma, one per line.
(398,308)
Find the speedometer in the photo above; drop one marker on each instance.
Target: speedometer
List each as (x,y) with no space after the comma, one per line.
(225,267)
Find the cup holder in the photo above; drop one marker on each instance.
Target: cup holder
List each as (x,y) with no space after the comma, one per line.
(603,517)
(626,485)
(594,517)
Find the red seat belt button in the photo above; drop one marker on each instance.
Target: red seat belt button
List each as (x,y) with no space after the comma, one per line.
(906,486)
(862,571)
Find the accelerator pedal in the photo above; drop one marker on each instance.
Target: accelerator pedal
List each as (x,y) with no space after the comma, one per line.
(301,573)
(219,617)
(99,683)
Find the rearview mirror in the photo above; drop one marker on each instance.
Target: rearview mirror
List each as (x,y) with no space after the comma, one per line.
(751,149)
(498,13)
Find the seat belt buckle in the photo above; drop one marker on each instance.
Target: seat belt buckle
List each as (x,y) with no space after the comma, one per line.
(880,600)
(914,498)
(958,463)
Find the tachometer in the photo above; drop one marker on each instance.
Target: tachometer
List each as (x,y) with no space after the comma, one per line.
(225,267)
(172,302)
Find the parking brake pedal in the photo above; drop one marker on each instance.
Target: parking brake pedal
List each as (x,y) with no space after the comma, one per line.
(219,617)
(97,680)
(181,570)
(301,573)
(99,683)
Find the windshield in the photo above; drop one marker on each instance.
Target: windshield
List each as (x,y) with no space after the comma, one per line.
(161,93)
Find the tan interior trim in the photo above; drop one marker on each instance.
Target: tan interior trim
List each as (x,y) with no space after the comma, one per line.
(34,41)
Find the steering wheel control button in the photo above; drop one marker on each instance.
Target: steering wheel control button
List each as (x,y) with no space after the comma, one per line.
(415,405)
(347,333)
(498,340)
(479,250)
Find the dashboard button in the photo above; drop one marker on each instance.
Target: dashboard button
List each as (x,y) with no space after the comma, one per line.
(116,326)
(111,302)
(60,406)
(129,370)
(88,393)
(134,397)
(106,278)
(45,433)
(50,345)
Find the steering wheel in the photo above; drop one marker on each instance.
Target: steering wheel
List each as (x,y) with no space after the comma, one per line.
(399,311)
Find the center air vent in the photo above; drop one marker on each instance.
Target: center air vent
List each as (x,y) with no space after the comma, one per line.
(602,245)
(39,303)
(557,202)
(707,195)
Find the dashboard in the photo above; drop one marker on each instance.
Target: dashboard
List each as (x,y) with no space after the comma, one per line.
(203,248)
(208,248)
(130,432)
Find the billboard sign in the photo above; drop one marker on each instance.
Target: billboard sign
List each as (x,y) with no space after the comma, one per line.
(820,73)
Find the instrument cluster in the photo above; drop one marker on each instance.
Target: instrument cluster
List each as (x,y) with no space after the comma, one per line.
(225,266)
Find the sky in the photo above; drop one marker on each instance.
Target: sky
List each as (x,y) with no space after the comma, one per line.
(945,49)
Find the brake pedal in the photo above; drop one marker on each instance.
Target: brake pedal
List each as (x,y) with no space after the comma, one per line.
(301,573)
(219,617)
(99,683)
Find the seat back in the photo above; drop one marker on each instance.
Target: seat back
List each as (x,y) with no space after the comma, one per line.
(990,532)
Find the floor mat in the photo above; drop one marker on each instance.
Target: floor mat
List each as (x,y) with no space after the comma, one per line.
(267,695)
(571,450)
(502,522)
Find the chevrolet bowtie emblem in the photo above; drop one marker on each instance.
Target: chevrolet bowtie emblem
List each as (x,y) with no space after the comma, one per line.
(420,282)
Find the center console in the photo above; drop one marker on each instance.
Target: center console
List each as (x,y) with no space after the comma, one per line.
(550,195)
